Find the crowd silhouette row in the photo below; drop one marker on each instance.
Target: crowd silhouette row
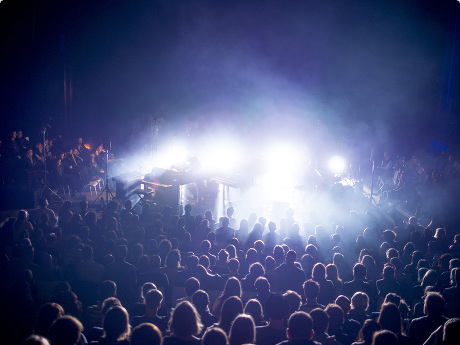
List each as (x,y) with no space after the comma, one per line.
(77,277)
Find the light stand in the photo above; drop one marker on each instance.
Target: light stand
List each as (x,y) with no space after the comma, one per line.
(46,190)
(107,187)
(371,197)
(154,149)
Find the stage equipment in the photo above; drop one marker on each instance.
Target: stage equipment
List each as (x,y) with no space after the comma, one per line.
(144,195)
(126,184)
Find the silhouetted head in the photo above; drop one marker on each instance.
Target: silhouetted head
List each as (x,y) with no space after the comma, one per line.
(277,307)
(300,326)
(242,331)
(185,320)
(65,330)
(146,334)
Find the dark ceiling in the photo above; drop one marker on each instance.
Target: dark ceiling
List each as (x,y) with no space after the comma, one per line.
(386,69)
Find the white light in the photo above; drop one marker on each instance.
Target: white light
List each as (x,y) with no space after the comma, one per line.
(178,153)
(224,157)
(284,158)
(336,165)
(174,155)
(284,167)
(276,186)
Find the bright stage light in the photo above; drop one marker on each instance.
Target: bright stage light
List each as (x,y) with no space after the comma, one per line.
(221,157)
(284,167)
(284,158)
(336,165)
(176,154)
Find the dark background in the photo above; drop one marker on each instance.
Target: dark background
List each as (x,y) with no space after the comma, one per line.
(381,71)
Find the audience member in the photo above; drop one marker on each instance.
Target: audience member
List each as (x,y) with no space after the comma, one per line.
(66,330)
(214,336)
(300,330)
(367,332)
(124,275)
(36,340)
(277,309)
(47,314)
(116,327)
(254,309)
(320,325)
(146,334)
(336,321)
(385,337)
(200,300)
(93,314)
(230,310)
(184,325)
(232,288)
(390,319)
(153,300)
(242,330)
(359,307)
(446,335)
(327,291)
(311,291)
(289,276)
(421,328)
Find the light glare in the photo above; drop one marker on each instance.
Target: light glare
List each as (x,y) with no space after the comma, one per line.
(176,154)
(284,157)
(222,157)
(337,165)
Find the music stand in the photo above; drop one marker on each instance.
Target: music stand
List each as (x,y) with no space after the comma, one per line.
(106,187)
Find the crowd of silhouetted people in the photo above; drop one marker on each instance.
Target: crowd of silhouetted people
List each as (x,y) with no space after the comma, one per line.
(74,276)
(426,184)
(56,161)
